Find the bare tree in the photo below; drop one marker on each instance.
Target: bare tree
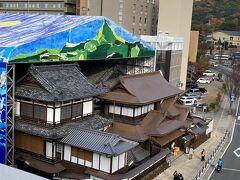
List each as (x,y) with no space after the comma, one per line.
(232,84)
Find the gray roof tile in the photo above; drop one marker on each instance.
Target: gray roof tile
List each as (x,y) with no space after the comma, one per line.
(57,83)
(98,141)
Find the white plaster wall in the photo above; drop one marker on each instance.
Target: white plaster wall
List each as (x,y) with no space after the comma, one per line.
(210,127)
(17,109)
(80,161)
(88,163)
(114,164)
(50,115)
(49,149)
(74,159)
(67,152)
(105,163)
(87,107)
(95,161)
(121,160)
(57,115)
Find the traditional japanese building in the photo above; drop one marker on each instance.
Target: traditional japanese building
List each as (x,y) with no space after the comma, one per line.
(57,134)
(144,110)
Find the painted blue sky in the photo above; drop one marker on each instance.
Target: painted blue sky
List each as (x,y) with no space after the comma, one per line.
(29,32)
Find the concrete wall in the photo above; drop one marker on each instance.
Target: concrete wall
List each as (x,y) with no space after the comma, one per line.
(193,46)
(175,18)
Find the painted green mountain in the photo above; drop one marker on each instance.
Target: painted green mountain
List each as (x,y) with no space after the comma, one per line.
(105,45)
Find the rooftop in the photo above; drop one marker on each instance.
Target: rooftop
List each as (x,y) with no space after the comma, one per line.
(97,141)
(55,83)
(94,122)
(141,89)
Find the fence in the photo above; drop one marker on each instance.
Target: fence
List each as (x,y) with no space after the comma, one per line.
(211,158)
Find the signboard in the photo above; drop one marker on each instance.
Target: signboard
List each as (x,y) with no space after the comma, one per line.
(3,91)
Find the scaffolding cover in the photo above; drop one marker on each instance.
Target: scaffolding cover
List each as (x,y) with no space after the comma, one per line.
(3,90)
(47,38)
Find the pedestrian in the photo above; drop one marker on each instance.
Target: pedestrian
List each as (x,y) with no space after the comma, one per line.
(173,147)
(191,153)
(203,152)
(175,175)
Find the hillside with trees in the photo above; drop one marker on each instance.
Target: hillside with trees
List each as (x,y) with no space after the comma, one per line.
(212,15)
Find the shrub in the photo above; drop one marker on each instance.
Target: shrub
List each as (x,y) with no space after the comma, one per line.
(212,106)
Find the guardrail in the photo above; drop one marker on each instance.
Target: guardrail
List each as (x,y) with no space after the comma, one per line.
(210,159)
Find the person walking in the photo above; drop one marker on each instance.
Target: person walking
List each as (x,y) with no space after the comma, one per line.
(191,153)
(203,153)
(175,175)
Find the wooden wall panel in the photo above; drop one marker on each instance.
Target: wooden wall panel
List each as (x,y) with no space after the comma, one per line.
(29,142)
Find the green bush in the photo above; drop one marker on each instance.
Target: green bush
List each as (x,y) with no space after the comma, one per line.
(212,106)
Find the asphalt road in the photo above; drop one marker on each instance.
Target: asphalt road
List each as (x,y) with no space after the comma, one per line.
(231,158)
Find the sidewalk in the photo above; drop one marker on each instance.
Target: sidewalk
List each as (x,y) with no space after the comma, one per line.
(190,168)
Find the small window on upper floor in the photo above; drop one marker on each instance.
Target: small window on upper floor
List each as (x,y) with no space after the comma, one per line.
(134,6)
(231,38)
(133,19)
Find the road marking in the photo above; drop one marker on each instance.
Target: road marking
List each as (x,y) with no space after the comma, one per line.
(230,169)
(228,143)
(237,152)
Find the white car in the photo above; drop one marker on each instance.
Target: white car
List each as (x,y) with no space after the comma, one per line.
(204,81)
(209,73)
(193,95)
(188,100)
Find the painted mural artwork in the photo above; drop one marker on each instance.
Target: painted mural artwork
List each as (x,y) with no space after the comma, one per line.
(2,111)
(46,38)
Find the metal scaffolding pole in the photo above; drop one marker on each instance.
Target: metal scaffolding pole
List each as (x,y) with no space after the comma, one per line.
(10,115)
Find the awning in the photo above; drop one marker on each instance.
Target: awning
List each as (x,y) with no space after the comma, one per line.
(162,141)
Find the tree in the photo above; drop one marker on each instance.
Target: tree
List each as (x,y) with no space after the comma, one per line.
(232,84)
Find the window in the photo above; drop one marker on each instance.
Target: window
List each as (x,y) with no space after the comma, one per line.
(40,112)
(134,7)
(231,38)
(140,19)
(145,20)
(26,110)
(133,19)
(77,110)
(65,112)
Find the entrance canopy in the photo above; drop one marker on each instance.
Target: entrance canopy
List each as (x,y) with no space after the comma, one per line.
(27,38)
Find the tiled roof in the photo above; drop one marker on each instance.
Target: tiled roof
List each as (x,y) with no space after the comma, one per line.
(232,33)
(97,141)
(141,89)
(94,122)
(57,83)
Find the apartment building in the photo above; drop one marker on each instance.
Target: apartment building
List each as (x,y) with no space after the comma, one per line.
(56,7)
(175,18)
(137,16)
(168,56)
(193,46)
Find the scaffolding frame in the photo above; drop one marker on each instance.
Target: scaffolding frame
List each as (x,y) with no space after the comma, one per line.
(10,97)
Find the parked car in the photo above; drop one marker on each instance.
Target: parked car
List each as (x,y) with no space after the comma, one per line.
(196,91)
(209,73)
(203,90)
(191,84)
(189,101)
(214,64)
(203,80)
(193,95)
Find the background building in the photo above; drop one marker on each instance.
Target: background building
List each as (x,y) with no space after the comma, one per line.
(193,46)
(137,16)
(168,58)
(38,6)
(175,18)
(232,37)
